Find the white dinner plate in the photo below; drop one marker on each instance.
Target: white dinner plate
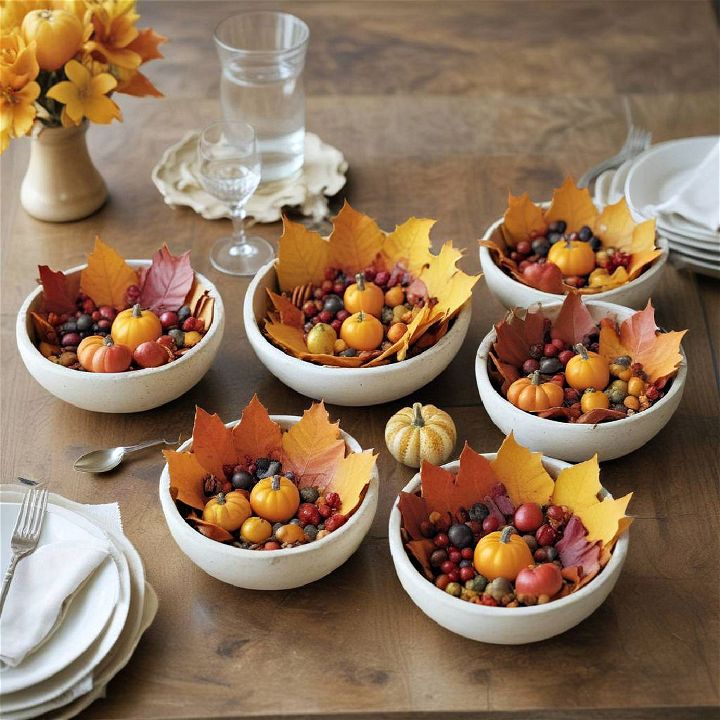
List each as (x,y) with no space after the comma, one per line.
(617,183)
(132,588)
(676,224)
(678,244)
(698,266)
(602,185)
(86,616)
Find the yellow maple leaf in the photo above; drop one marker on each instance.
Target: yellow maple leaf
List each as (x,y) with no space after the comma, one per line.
(355,241)
(409,244)
(186,477)
(350,479)
(303,256)
(522,473)
(577,487)
(107,276)
(573,205)
(615,226)
(445,282)
(289,337)
(522,218)
(602,519)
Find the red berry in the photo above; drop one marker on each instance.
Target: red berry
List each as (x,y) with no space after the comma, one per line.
(454,555)
(530,366)
(555,512)
(168,319)
(330,273)
(442,524)
(310,309)
(335,521)
(571,395)
(333,500)
(382,278)
(317,293)
(342,315)
(325,510)
(437,558)
(447,567)
(523,247)
(559,344)
(326,316)
(488,600)
(550,350)
(308,514)
(327,286)
(88,306)
(558,379)
(106,312)
(565,356)
(536,351)
(336,325)
(528,517)
(271,545)
(442,581)
(427,529)
(466,573)
(523,264)
(467,553)
(454,576)
(104,324)
(546,535)
(189,324)
(540,555)
(166,341)
(441,540)
(339,288)
(369,273)
(490,524)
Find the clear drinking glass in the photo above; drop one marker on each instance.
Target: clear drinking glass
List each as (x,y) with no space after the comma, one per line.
(263,56)
(229,164)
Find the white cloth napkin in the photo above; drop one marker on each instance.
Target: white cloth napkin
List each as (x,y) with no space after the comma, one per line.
(43,587)
(693,194)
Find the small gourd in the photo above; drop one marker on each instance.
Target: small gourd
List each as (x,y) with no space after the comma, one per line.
(593,399)
(321,339)
(275,498)
(587,369)
(532,395)
(620,368)
(502,553)
(420,433)
(227,510)
(573,257)
(101,355)
(395,296)
(134,326)
(617,391)
(362,331)
(290,534)
(364,296)
(255,530)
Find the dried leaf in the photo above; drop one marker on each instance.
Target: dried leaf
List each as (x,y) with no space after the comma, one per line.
(413,510)
(186,477)
(507,371)
(578,486)
(57,295)
(522,473)
(303,256)
(573,205)
(658,353)
(516,334)
(208,529)
(574,550)
(409,244)
(43,329)
(213,444)
(355,241)
(107,276)
(351,477)
(313,448)
(167,281)
(522,218)
(421,550)
(289,337)
(602,519)
(573,321)
(289,313)
(450,286)
(615,226)
(560,413)
(475,473)
(599,415)
(256,435)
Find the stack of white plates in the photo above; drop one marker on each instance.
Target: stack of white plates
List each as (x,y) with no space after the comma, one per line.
(648,179)
(102,625)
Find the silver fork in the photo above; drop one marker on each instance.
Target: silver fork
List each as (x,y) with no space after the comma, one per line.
(26,533)
(638,140)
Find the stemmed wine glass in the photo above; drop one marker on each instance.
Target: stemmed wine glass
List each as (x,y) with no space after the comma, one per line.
(229,164)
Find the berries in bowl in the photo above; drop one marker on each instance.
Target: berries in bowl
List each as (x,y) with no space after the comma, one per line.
(362,317)
(508,547)
(269,502)
(581,377)
(537,253)
(120,336)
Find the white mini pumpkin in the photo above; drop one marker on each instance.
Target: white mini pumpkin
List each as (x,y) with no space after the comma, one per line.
(420,433)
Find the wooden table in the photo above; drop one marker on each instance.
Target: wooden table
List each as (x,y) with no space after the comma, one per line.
(440,108)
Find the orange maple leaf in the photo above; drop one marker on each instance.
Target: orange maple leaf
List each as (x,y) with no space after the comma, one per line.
(350,479)
(213,443)
(186,477)
(256,435)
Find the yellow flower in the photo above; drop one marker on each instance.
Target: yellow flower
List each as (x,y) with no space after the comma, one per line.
(18,57)
(17,105)
(114,25)
(86,96)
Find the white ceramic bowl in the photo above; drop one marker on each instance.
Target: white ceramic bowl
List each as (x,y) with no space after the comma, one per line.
(120,392)
(512,293)
(503,626)
(346,386)
(278,569)
(571,441)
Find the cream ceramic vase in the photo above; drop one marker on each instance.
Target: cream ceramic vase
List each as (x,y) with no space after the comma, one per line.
(61,182)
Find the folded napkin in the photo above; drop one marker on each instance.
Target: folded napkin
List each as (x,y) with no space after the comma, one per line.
(42,589)
(693,194)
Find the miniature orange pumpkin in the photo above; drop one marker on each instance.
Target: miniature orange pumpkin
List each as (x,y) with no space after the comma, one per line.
(364,296)
(229,511)
(587,369)
(290,534)
(502,553)
(101,355)
(395,296)
(573,257)
(255,530)
(530,394)
(593,399)
(362,331)
(58,35)
(134,326)
(275,498)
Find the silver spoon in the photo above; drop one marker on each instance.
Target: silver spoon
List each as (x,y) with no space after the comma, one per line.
(100,461)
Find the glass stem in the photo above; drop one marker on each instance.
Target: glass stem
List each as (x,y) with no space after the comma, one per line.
(238,220)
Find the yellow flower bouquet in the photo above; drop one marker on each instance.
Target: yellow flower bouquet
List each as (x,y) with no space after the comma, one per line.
(62,60)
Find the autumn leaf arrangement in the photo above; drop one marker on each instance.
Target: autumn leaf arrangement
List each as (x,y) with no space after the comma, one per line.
(258,486)
(571,246)
(577,370)
(111,317)
(363,297)
(62,60)
(503,533)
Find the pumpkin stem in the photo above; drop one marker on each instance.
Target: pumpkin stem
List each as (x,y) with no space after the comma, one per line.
(108,340)
(276,482)
(581,350)
(361,317)
(220,498)
(137,311)
(418,419)
(535,378)
(360,282)
(506,534)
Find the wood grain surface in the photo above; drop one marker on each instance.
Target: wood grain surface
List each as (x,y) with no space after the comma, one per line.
(440,109)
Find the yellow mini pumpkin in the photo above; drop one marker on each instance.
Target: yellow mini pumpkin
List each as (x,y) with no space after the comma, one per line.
(134,326)
(364,296)
(593,399)
(420,433)
(531,395)
(362,331)
(255,530)
(587,369)
(229,511)
(573,257)
(58,35)
(275,498)
(502,553)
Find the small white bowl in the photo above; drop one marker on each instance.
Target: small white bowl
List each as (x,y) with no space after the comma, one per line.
(277,569)
(512,293)
(346,386)
(571,441)
(502,626)
(120,392)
